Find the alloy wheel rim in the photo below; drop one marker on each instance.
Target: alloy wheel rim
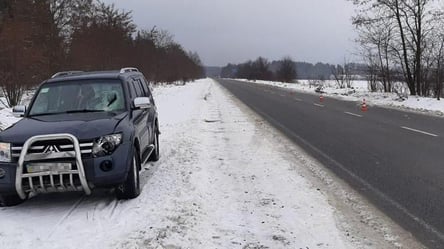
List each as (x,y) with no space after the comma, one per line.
(156,143)
(136,179)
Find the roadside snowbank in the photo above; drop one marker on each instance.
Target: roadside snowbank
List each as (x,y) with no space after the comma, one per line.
(6,118)
(231,188)
(360,91)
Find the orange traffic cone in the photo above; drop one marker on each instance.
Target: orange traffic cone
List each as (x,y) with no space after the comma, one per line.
(321,98)
(364,107)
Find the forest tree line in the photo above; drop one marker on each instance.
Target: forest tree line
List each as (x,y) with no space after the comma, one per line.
(260,69)
(39,38)
(287,70)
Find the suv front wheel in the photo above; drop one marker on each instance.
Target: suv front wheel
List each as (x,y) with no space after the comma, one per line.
(10,200)
(131,187)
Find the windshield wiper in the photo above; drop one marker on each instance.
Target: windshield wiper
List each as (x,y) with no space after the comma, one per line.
(112,100)
(84,111)
(65,112)
(45,114)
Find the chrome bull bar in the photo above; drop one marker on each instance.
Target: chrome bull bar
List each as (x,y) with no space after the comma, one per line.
(54,177)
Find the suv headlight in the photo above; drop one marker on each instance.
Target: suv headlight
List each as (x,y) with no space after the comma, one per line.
(106,145)
(5,152)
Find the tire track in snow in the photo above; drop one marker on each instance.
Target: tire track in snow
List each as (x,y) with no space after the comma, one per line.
(66,216)
(114,207)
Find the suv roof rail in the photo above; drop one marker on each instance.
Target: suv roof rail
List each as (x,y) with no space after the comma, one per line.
(129,69)
(65,73)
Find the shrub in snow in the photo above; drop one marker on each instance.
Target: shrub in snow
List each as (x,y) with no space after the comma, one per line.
(401,90)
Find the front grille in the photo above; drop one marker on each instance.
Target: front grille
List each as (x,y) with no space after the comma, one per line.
(50,164)
(41,147)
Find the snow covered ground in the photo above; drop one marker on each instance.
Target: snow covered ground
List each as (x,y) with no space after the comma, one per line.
(360,92)
(225,179)
(6,117)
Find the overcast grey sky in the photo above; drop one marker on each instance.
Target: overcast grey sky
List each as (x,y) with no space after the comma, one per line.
(223,31)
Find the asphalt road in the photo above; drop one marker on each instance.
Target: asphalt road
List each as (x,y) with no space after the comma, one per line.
(394,158)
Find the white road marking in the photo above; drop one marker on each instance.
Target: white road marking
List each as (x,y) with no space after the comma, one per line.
(318,105)
(297,99)
(419,131)
(353,114)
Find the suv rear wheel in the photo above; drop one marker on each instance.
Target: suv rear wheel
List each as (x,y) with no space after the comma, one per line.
(131,187)
(154,157)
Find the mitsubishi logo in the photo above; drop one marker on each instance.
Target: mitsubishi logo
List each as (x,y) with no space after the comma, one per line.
(51,149)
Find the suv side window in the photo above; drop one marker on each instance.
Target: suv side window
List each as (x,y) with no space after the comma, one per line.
(137,87)
(132,90)
(140,85)
(136,90)
(147,90)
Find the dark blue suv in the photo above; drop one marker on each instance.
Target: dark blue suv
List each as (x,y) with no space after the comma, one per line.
(82,130)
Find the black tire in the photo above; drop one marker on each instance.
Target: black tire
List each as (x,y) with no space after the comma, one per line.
(10,200)
(155,155)
(130,189)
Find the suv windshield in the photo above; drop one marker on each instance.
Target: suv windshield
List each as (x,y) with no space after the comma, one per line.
(79,96)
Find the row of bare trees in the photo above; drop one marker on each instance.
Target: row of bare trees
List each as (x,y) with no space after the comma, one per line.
(260,69)
(403,40)
(38,38)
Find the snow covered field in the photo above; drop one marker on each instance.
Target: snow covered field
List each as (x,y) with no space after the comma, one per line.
(225,179)
(360,92)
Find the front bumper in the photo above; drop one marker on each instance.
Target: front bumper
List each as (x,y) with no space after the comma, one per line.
(86,174)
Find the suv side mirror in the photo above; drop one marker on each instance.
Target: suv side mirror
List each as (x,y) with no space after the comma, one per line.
(142,103)
(19,111)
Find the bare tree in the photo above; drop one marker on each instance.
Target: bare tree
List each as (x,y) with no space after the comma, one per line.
(436,52)
(342,74)
(161,38)
(286,71)
(261,69)
(375,38)
(439,69)
(410,23)
(372,69)
(103,40)
(23,52)
(338,75)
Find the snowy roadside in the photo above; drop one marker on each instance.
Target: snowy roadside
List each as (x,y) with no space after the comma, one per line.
(231,188)
(6,118)
(360,92)
(225,179)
